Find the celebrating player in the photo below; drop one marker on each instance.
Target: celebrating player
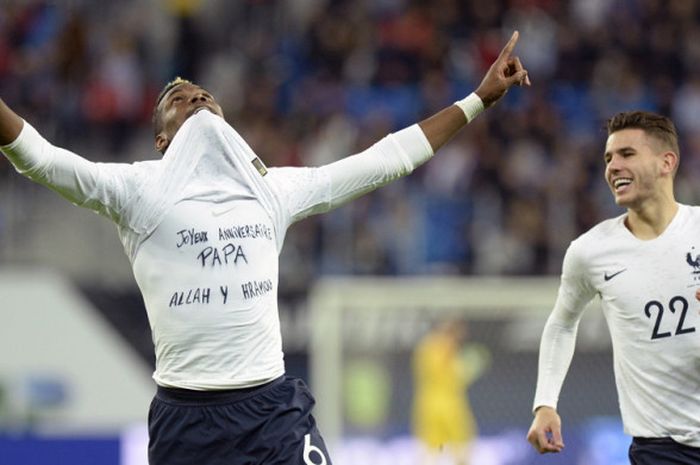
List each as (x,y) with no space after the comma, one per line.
(203,228)
(645,266)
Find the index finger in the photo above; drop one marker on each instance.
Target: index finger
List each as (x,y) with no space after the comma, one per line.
(508,49)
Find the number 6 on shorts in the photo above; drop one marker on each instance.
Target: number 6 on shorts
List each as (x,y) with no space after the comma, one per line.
(308,449)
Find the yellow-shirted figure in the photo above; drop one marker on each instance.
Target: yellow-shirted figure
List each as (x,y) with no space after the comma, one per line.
(444,367)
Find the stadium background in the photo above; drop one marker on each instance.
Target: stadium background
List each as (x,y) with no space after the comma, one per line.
(306,82)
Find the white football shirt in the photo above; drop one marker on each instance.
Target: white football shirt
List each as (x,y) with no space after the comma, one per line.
(208,271)
(647,291)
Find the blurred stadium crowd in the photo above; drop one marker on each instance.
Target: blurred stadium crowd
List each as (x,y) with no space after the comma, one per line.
(309,81)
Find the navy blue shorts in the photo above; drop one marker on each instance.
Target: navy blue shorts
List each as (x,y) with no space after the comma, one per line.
(269,424)
(662,451)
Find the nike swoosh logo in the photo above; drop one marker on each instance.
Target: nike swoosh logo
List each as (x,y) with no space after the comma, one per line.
(221,212)
(608,277)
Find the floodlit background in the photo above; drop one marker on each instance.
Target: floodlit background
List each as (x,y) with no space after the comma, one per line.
(307,82)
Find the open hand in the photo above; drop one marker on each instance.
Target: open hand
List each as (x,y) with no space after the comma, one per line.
(504,73)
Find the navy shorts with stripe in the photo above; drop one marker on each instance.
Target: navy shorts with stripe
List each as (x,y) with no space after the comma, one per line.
(270,424)
(662,451)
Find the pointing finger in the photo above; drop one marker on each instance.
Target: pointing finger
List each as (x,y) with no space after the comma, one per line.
(508,49)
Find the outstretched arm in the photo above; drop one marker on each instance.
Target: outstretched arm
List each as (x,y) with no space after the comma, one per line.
(503,74)
(10,124)
(399,153)
(97,186)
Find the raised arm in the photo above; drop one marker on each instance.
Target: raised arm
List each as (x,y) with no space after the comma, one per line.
(97,186)
(399,153)
(503,74)
(10,124)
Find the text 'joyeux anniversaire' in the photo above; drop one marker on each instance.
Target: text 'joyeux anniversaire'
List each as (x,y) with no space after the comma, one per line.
(218,256)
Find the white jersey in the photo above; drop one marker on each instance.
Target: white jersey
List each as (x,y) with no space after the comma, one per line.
(647,291)
(208,269)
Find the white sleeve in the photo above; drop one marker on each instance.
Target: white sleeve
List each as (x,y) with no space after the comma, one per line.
(98,186)
(559,335)
(392,157)
(307,191)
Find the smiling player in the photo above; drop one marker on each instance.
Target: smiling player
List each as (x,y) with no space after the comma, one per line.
(639,264)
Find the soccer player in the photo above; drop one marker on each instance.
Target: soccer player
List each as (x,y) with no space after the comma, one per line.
(203,228)
(645,266)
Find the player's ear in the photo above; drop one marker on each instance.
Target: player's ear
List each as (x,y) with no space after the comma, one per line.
(162,142)
(669,162)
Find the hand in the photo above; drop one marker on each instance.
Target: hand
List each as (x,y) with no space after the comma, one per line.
(504,73)
(10,124)
(545,432)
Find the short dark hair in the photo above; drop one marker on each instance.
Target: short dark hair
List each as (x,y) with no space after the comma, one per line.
(157,122)
(657,126)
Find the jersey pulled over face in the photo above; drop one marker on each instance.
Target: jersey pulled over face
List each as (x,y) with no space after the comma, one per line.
(633,167)
(181,102)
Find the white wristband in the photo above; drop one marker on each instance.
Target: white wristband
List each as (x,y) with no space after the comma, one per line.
(471,106)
